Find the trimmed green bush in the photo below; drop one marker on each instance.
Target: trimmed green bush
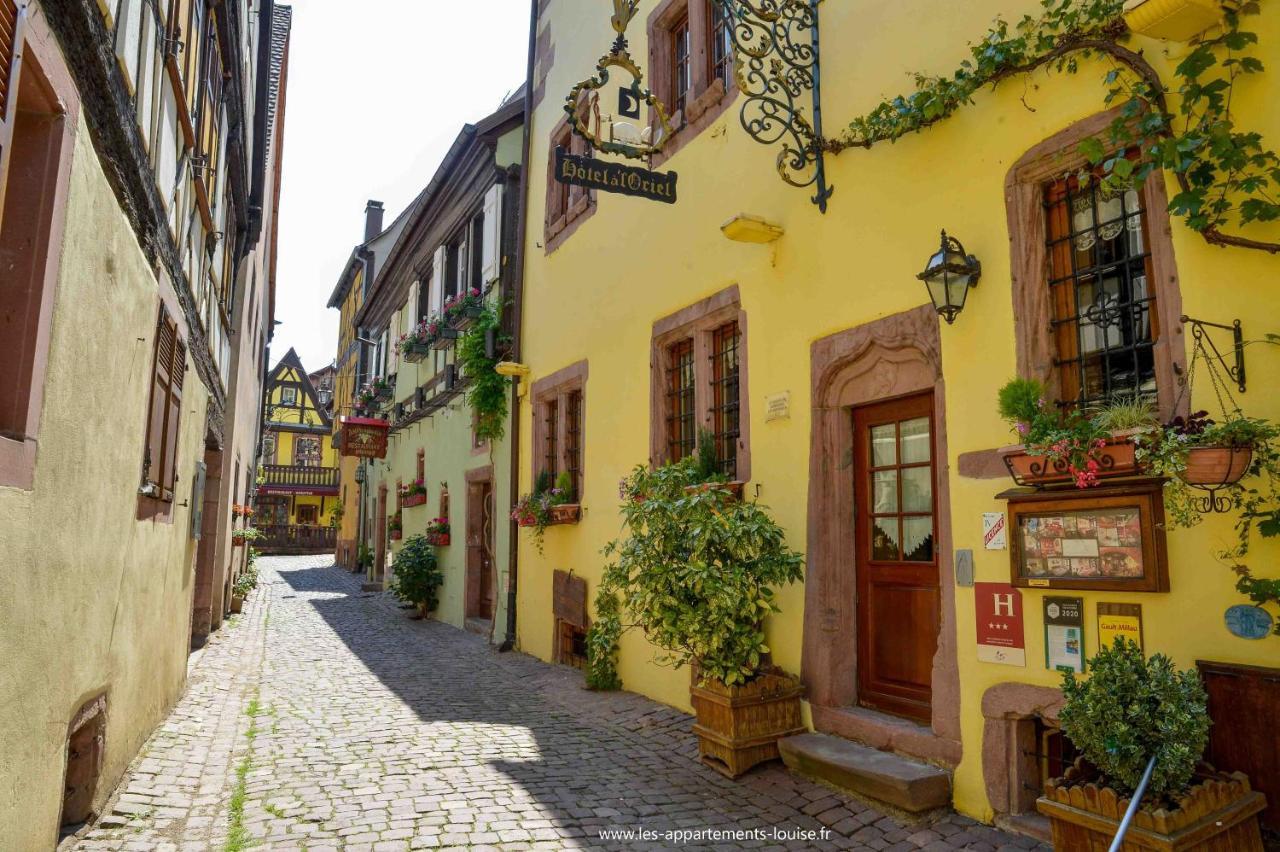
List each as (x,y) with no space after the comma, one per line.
(417,577)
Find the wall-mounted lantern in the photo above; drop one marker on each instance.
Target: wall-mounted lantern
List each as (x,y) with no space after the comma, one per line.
(948,277)
(362,475)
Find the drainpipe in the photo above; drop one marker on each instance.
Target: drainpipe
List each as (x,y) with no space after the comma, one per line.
(517,308)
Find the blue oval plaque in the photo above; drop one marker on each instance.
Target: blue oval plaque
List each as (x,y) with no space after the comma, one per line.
(1248,622)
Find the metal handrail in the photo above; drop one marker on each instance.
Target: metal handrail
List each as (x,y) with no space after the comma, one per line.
(1133,805)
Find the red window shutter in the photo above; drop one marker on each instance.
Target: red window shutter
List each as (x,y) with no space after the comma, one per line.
(12,23)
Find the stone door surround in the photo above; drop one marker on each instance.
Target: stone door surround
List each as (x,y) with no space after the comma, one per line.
(894,356)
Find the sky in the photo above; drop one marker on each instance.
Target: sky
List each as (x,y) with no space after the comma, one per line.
(378,90)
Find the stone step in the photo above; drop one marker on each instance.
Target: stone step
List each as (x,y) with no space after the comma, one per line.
(880,775)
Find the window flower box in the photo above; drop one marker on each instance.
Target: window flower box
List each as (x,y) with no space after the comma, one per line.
(414,499)
(415,351)
(445,338)
(1116,457)
(438,539)
(564,513)
(396,535)
(438,532)
(735,488)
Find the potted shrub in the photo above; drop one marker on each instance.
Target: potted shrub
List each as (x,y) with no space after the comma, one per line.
(695,571)
(416,576)
(1061,447)
(243,585)
(414,494)
(1127,711)
(438,532)
(395,526)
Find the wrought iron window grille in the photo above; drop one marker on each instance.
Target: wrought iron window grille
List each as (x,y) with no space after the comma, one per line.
(725,395)
(681,421)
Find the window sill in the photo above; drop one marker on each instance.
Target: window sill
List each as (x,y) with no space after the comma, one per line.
(562,228)
(700,114)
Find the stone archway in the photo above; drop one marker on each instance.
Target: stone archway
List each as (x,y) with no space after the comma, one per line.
(892,357)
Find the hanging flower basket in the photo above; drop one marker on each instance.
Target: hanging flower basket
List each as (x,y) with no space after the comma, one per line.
(416,352)
(1217,467)
(237,538)
(1116,458)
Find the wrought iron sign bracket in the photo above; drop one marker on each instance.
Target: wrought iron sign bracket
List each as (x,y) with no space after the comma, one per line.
(1203,340)
(776,62)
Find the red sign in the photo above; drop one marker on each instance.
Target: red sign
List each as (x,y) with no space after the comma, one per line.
(364,437)
(998,610)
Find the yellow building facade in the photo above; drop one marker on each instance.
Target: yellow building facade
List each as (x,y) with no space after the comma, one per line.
(298,481)
(816,331)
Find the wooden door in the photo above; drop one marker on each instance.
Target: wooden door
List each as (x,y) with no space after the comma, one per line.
(896,552)
(1243,702)
(481,596)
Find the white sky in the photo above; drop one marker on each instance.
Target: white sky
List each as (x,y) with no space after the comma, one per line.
(378,90)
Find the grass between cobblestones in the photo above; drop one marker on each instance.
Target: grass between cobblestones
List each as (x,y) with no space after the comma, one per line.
(237,835)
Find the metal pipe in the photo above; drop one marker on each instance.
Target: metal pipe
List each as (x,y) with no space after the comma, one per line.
(1133,805)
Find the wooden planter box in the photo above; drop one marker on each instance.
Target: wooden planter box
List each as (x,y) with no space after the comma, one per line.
(1217,467)
(734,488)
(396,535)
(1118,458)
(237,603)
(1218,813)
(410,500)
(739,727)
(416,353)
(444,339)
(384,395)
(566,513)
(438,539)
(527,521)
(467,317)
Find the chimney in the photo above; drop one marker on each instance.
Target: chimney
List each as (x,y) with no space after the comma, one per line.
(372,220)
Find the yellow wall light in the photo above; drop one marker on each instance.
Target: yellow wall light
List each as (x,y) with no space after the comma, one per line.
(751,229)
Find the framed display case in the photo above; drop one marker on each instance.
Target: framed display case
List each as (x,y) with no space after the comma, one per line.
(1108,539)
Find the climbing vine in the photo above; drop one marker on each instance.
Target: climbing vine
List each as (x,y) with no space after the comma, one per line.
(487,394)
(1225,174)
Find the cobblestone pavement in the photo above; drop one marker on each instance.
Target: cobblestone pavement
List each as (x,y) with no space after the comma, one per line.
(326,719)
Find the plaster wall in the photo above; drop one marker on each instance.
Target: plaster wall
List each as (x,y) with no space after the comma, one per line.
(598,294)
(97,601)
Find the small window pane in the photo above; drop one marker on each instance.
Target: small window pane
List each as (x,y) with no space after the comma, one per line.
(884,442)
(917,539)
(917,489)
(885,487)
(915,441)
(884,539)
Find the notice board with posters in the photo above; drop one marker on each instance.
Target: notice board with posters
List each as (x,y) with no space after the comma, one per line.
(1108,539)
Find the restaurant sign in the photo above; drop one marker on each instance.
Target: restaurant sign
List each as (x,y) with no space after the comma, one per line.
(615,177)
(364,437)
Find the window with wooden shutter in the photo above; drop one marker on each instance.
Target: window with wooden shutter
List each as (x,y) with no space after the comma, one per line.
(167,377)
(12,23)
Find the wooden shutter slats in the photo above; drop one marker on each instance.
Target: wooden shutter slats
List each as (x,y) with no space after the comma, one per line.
(167,376)
(8,38)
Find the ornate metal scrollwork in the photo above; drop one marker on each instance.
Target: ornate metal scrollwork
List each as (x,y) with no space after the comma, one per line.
(776,62)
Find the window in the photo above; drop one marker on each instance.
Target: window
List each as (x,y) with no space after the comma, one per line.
(306,452)
(559,427)
(567,206)
(455,266)
(159,465)
(725,396)
(551,445)
(1105,326)
(289,397)
(692,55)
(682,65)
(35,132)
(476,253)
(699,384)
(682,436)
(268,449)
(1096,299)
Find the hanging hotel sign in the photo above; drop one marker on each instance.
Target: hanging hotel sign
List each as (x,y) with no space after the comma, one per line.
(608,135)
(364,437)
(615,177)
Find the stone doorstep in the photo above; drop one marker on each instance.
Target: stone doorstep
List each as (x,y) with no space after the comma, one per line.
(375,586)
(879,775)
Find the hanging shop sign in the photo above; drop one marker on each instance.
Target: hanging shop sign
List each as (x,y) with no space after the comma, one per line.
(998,612)
(615,177)
(609,133)
(1116,620)
(364,437)
(1064,634)
(1108,539)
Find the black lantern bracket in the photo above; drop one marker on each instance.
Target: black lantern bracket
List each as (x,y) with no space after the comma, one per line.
(1204,344)
(776,63)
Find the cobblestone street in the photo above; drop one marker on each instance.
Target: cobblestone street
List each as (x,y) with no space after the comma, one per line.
(326,719)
